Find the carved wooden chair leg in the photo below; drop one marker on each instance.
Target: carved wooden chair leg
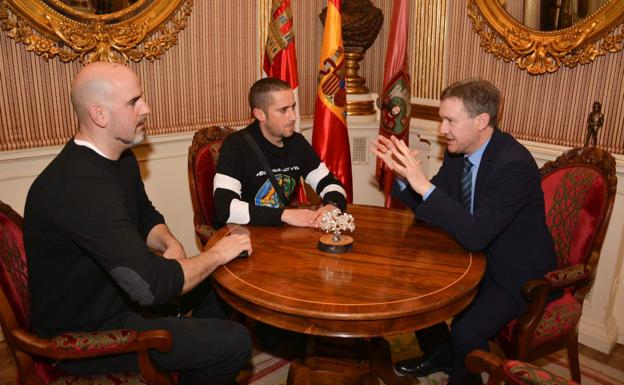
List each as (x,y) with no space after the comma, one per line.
(573,360)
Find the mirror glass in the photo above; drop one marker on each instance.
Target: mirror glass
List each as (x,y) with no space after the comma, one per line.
(550,15)
(98,7)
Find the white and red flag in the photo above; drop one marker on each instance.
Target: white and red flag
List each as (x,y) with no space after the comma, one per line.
(395,98)
(280,57)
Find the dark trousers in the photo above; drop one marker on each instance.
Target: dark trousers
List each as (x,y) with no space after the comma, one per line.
(207,349)
(471,329)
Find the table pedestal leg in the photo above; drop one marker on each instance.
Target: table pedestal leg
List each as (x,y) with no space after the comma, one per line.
(381,362)
(298,374)
(347,362)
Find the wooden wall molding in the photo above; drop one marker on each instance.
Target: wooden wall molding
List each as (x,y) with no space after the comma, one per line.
(423,111)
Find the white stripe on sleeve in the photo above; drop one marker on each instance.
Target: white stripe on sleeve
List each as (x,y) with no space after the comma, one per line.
(333,187)
(315,176)
(226,182)
(239,212)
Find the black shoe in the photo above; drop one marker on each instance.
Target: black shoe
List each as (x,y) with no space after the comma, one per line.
(425,365)
(473,379)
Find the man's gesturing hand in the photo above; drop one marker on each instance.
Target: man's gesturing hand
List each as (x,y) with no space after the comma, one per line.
(402,160)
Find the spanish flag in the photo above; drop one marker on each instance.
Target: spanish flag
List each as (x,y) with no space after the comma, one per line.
(395,98)
(330,138)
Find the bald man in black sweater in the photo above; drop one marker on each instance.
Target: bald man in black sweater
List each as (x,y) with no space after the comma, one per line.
(98,251)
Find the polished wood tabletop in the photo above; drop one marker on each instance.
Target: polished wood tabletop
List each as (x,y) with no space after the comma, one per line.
(400,276)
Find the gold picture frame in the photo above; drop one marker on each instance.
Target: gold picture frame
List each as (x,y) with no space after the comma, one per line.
(50,28)
(540,52)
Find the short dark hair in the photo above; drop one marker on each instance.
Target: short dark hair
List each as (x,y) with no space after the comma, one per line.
(478,96)
(259,93)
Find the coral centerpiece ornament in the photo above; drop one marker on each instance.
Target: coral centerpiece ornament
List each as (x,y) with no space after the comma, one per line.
(335,222)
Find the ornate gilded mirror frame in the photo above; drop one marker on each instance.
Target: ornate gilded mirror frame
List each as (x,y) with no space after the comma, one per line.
(49,28)
(540,52)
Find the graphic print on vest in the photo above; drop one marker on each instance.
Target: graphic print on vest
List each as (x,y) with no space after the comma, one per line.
(266,195)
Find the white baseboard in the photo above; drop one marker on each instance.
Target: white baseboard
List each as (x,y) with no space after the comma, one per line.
(619,324)
(600,336)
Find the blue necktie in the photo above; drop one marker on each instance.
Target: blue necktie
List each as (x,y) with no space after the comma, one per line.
(465,187)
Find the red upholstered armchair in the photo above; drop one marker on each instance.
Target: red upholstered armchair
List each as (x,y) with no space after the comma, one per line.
(203,155)
(511,372)
(32,354)
(579,190)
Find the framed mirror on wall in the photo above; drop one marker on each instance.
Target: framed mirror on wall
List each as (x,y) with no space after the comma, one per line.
(94,30)
(551,15)
(542,35)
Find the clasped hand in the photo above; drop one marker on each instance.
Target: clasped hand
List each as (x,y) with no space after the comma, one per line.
(305,217)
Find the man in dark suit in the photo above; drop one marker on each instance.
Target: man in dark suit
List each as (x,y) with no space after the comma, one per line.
(487,194)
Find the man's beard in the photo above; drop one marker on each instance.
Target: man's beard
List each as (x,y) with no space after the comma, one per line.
(138,138)
(291,131)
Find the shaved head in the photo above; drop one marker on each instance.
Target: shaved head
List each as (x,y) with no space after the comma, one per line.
(108,101)
(96,84)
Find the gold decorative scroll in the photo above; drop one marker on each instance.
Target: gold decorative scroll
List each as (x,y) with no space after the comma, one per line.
(53,29)
(540,52)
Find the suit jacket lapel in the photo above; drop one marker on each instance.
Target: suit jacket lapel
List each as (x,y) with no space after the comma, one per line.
(455,165)
(485,165)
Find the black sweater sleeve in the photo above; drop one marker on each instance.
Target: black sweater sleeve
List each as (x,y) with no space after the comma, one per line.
(233,168)
(98,220)
(318,176)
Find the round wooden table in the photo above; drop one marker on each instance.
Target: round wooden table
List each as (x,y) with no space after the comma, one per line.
(400,276)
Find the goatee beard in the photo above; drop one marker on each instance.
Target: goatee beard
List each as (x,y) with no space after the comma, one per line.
(138,138)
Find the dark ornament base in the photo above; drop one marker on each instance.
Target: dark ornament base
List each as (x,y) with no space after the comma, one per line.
(327,245)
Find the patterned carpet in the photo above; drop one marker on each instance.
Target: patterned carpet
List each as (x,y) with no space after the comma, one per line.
(592,372)
(273,370)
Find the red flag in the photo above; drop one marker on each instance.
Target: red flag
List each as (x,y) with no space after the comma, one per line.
(280,57)
(280,60)
(395,98)
(330,138)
